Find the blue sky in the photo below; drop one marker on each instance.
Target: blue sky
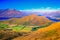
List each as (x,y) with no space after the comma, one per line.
(29,4)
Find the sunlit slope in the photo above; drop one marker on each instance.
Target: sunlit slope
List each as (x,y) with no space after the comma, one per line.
(51,27)
(51,32)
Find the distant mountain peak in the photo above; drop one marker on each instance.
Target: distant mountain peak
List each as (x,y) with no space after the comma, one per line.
(10,13)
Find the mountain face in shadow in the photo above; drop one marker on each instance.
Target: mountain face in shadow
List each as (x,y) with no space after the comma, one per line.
(11,13)
(54,19)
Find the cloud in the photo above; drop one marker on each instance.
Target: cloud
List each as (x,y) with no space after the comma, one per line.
(42,9)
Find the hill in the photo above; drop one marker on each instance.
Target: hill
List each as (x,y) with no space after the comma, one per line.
(51,32)
(29,20)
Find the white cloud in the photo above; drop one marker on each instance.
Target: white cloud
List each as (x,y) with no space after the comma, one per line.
(42,9)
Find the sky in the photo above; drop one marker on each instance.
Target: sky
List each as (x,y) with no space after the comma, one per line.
(29,4)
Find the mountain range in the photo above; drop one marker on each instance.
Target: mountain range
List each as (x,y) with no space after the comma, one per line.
(10,13)
(55,16)
(13,13)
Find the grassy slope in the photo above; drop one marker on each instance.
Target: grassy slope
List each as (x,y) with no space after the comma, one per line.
(26,29)
(51,32)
